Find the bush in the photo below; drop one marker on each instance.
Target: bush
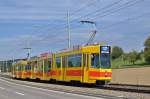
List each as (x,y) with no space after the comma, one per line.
(147,50)
(133,56)
(116,52)
(147,55)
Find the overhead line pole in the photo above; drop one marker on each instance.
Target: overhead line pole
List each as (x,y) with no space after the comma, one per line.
(28,48)
(29,52)
(69,34)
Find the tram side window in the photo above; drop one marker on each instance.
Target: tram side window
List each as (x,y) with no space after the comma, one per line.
(27,67)
(74,60)
(47,65)
(32,66)
(41,66)
(35,66)
(19,68)
(58,62)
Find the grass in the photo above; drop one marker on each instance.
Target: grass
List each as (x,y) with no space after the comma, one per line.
(119,63)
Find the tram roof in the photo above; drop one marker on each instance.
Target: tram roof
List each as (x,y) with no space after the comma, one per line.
(81,49)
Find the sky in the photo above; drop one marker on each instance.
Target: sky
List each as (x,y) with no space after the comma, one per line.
(42,24)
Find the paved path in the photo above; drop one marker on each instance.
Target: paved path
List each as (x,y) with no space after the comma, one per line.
(10,90)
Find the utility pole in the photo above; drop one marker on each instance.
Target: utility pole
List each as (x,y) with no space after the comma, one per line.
(28,53)
(0,67)
(69,34)
(3,66)
(28,48)
(6,66)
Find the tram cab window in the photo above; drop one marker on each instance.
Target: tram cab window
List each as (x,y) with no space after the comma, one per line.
(58,62)
(95,61)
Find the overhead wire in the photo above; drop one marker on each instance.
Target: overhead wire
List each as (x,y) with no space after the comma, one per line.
(125,21)
(98,10)
(106,7)
(71,14)
(112,11)
(65,25)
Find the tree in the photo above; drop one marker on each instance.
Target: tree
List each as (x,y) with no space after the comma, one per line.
(147,50)
(116,52)
(139,56)
(147,55)
(132,57)
(125,57)
(147,43)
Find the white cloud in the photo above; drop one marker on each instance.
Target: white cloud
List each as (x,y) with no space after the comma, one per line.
(53,12)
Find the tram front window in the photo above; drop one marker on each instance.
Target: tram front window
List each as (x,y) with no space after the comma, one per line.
(102,61)
(95,61)
(105,60)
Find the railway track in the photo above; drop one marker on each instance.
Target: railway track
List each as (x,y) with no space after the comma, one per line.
(127,88)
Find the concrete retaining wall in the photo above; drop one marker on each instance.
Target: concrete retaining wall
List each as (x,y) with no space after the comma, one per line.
(135,76)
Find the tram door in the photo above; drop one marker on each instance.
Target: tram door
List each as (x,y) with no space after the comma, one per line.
(64,67)
(41,69)
(85,69)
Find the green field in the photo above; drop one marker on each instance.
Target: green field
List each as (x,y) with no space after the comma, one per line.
(119,63)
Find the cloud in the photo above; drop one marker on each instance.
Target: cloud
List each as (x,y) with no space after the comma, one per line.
(43,24)
(31,9)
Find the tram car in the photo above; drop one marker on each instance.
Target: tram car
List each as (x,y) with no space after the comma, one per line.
(87,64)
(18,69)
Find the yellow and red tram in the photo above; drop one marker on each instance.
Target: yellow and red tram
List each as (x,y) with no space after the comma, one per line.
(18,69)
(88,64)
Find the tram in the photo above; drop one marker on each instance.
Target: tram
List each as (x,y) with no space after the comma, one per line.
(87,64)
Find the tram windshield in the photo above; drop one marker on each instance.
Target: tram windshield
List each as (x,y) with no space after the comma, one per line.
(105,60)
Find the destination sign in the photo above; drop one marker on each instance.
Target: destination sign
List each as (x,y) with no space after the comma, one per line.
(105,49)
